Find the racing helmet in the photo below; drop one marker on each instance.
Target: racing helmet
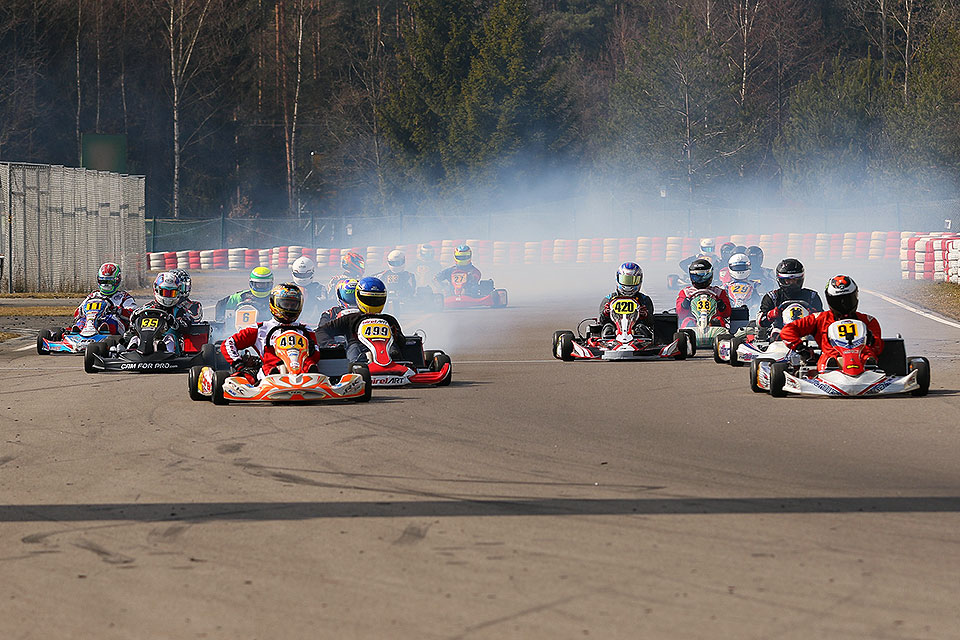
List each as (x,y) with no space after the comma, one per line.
(790,274)
(347,293)
(352,264)
(426,252)
(166,289)
(286,302)
(701,273)
(261,282)
(371,295)
(708,245)
(739,266)
(302,270)
(726,250)
(755,254)
(108,278)
(843,296)
(396,259)
(463,255)
(629,278)
(186,283)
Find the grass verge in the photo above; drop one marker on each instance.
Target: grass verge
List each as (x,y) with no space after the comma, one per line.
(7,311)
(44,296)
(6,336)
(940,297)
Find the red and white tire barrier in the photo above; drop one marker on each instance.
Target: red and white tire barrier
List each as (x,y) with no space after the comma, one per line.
(919,254)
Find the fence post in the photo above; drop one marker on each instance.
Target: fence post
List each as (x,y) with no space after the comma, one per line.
(313,230)
(223,228)
(153,236)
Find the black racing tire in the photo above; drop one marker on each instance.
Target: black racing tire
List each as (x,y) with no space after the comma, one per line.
(364,372)
(208,353)
(922,366)
(565,346)
(754,375)
(682,345)
(556,340)
(219,377)
(691,340)
(735,343)
(716,347)
(90,357)
(436,364)
(778,378)
(193,382)
(501,299)
(429,355)
(45,334)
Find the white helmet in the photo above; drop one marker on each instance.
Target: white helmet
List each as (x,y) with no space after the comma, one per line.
(166,289)
(739,266)
(708,245)
(303,268)
(396,259)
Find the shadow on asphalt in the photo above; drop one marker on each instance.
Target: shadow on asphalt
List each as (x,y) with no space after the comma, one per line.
(267,511)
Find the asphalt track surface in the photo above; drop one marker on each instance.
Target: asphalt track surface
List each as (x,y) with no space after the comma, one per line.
(530,499)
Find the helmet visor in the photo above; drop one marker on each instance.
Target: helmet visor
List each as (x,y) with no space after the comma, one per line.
(629,279)
(701,276)
(844,304)
(261,286)
(790,280)
(163,292)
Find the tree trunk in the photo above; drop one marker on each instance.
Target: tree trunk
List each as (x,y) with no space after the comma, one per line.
(79,144)
(175,99)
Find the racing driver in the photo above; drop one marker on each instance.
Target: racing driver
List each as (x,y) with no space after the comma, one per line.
(790,276)
(843,298)
(701,279)
(463,264)
(629,280)
(371,298)
(121,303)
(286,303)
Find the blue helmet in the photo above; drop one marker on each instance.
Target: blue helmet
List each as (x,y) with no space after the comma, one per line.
(371,295)
(629,278)
(701,273)
(347,293)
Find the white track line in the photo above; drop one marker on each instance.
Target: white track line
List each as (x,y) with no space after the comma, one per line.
(503,361)
(27,348)
(916,310)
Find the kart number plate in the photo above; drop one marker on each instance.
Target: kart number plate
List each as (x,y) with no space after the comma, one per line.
(375,329)
(93,305)
(740,289)
(290,340)
(624,306)
(246,317)
(393,278)
(705,304)
(847,333)
(458,278)
(149,323)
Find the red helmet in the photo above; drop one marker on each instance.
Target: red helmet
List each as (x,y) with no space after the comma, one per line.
(352,264)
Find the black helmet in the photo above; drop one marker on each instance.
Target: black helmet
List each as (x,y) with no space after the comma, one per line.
(842,296)
(755,254)
(739,249)
(790,274)
(726,250)
(701,273)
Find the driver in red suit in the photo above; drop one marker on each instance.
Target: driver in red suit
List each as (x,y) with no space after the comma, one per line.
(701,278)
(463,257)
(842,298)
(286,302)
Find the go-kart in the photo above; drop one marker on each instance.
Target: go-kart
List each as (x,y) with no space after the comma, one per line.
(626,338)
(853,375)
(58,340)
(744,293)
(150,325)
(332,378)
(705,322)
(754,342)
(415,365)
(464,296)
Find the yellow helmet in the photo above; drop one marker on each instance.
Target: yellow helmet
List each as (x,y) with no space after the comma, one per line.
(463,255)
(261,282)
(286,302)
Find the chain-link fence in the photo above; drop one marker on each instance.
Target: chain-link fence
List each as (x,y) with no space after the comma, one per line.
(61,223)
(570,218)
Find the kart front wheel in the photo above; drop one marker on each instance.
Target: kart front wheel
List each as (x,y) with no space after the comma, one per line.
(922,367)
(691,340)
(193,382)
(45,334)
(437,364)
(565,346)
(734,345)
(219,378)
(716,347)
(682,345)
(90,355)
(755,375)
(364,372)
(778,378)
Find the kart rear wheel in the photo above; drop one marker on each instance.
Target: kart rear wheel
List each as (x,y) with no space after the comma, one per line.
(691,340)
(716,347)
(565,346)
(778,378)
(219,377)
(437,364)
(501,298)
(755,375)
(556,341)
(45,334)
(364,372)
(922,367)
(682,345)
(734,345)
(429,355)
(193,382)
(90,356)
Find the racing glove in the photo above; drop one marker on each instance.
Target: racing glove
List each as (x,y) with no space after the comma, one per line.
(806,354)
(773,313)
(721,305)
(685,303)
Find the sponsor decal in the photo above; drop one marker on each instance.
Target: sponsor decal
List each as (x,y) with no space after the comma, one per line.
(823,386)
(391,381)
(126,366)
